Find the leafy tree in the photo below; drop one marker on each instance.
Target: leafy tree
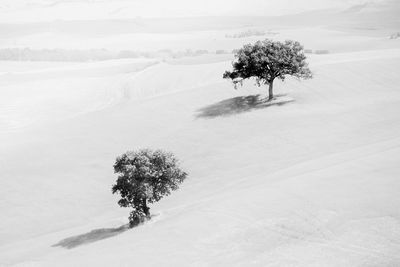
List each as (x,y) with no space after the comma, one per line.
(145,176)
(267,60)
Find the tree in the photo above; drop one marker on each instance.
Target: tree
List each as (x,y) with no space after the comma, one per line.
(145,176)
(267,60)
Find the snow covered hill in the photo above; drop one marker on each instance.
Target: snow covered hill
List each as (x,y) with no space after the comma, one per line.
(312,182)
(37,92)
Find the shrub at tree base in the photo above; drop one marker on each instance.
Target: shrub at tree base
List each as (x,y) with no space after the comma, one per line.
(145,176)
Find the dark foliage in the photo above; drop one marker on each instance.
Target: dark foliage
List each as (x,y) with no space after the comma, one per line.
(267,60)
(145,176)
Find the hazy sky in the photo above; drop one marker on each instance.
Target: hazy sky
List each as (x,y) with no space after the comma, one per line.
(36,10)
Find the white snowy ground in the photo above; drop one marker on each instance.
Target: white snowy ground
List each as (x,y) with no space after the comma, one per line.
(314,182)
(34,92)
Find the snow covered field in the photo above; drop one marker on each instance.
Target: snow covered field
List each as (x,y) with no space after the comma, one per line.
(310,182)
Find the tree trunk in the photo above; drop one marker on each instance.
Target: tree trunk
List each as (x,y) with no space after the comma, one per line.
(146,209)
(270,90)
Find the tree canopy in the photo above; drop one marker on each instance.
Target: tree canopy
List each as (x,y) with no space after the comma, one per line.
(145,176)
(267,60)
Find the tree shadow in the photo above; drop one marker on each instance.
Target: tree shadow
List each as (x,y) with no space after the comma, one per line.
(240,104)
(90,237)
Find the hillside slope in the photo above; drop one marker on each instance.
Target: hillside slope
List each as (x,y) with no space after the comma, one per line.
(313,182)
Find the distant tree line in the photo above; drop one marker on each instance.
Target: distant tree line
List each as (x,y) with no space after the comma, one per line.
(317,52)
(82,55)
(250,33)
(395,35)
